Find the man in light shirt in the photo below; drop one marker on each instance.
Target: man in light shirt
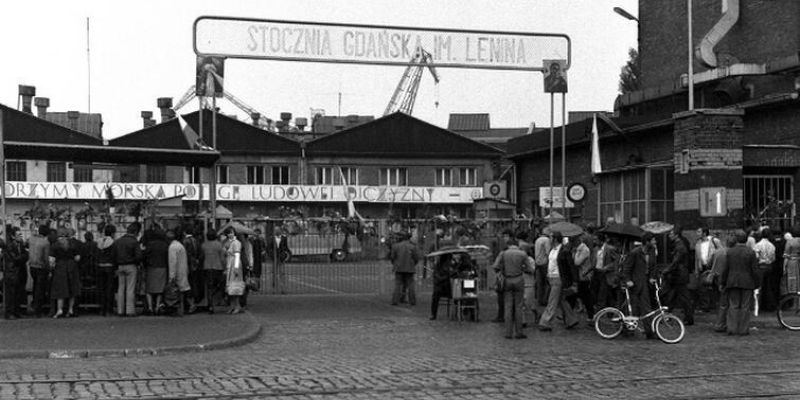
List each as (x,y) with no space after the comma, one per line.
(705,247)
(765,252)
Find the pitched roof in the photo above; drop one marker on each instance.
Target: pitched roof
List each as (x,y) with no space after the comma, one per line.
(233,136)
(577,132)
(468,122)
(400,135)
(26,136)
(23,127)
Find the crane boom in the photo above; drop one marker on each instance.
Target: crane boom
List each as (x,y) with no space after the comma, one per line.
(406,92)
(190,94)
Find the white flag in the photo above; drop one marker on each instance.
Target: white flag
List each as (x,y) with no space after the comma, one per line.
(596,168)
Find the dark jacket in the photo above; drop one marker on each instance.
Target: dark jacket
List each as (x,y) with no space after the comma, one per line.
(282,252)
(677,272)
(155,254)
(405,256)
(741,268)
(635,268)
(127,250)
(567,270)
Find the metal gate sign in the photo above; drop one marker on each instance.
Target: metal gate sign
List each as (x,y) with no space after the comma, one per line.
(372,44)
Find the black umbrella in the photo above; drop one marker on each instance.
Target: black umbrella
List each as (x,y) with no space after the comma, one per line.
(624,230)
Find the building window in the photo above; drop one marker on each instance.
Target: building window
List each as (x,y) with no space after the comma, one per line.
(349,176)
(324,176)
(156,173)
(193,174)
(15,171)
(770,197)
(643,194)
(56,172)
(255,175)
(82,173)
(280,175)
(394,177)
(222,174)
(467,177)
(444,177)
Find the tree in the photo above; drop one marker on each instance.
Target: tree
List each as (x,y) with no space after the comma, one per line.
(630,76)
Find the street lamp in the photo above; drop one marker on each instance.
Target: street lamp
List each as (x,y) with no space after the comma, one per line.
(625,14)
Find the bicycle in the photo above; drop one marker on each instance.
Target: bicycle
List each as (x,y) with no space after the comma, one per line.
(610,321)
(789,311)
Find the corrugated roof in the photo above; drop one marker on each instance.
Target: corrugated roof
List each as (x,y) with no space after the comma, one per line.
(400,135)
(468,122)
(90,124)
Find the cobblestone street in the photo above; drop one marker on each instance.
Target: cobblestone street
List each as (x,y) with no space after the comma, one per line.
(342,347)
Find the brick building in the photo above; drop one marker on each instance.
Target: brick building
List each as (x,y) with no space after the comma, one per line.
(730,161)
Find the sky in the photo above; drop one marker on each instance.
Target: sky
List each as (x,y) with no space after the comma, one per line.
(140,51)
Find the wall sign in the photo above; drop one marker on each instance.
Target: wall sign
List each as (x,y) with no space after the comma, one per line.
(576,192)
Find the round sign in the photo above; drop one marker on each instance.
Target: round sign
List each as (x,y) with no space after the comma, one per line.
(494,189)
(576,192)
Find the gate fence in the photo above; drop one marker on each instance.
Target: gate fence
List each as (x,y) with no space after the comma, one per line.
(328,256)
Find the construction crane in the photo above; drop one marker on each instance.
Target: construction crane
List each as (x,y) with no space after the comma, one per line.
(262,121)
(406,92)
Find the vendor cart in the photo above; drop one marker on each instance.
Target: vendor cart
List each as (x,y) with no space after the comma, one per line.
(455,278)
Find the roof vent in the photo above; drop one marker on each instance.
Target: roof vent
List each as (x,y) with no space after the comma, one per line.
(338,123)
(255,116)
(27,93)
(73,116)
(147,119)
(164,104)
(301,123)
(41,106)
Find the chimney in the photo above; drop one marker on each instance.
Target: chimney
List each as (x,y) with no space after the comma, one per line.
(301,123)
(27,93)
(147,119)
(255,117)
(338,123)
(72,116)
(281,125)
(41,106)
(165,105)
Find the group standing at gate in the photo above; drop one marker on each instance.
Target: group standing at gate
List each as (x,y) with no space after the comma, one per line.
(172,271)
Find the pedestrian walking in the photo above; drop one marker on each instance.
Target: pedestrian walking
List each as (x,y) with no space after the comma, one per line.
(127,256)
(583,262)
(790,282)
(404,256)
(39,264)
(541,251)
(511,264)
(637,275)
(562,275)
(675,278)
(741,279)
(499,246)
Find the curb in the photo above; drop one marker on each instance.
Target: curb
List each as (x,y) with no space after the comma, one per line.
(247,337)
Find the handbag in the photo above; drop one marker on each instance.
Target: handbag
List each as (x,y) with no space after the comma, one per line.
(707,278)
(252,283)
(171,293)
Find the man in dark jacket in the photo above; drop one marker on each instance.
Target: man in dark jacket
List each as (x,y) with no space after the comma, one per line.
(636,274)
(740,279)
(676,277)
(404,256)
(278,253)
(15,255)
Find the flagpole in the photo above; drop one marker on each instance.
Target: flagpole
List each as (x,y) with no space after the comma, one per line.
(213,190)
(552,133)
(3,233)
(564,154)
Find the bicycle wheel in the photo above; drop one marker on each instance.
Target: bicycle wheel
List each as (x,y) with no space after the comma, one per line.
(789,311)
(669,328)
(608,322)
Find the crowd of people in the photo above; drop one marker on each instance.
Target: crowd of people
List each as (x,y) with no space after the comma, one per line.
(579,275)
(168,272)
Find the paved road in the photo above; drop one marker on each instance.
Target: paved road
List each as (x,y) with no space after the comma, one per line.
(346,347)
